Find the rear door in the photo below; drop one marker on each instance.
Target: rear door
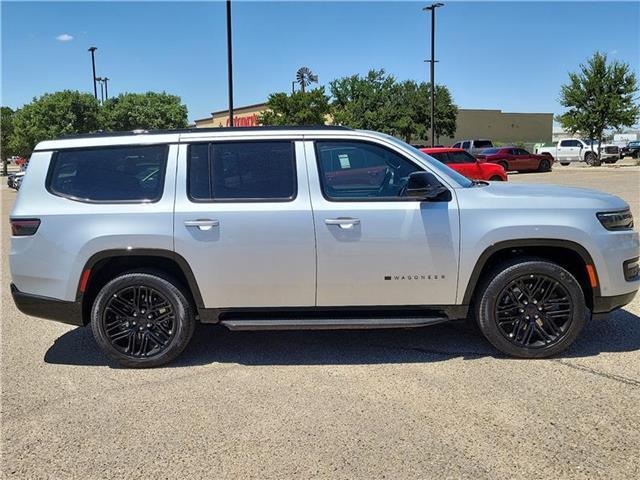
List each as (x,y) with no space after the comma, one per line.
(375,246)
(243,222)
(569,151)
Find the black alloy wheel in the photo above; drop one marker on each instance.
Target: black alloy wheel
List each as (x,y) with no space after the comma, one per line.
(534,311)
(139,321)
(544,165)
(142,319)
(530,307)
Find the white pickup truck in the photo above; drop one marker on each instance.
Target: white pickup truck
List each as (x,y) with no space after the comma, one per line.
(570,150)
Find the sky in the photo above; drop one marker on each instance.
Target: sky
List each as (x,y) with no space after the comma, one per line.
(511,56)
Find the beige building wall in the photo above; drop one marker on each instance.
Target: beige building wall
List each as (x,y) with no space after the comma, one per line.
(502,127)
(471,124)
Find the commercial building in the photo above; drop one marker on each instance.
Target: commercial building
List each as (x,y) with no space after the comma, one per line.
(499,126)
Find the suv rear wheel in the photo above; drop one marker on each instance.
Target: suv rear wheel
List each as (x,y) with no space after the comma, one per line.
(142,320)
(531,308)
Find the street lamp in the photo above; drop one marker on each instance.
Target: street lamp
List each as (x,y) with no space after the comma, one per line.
(93,65)
(106,90)
(229,63)
(432,62)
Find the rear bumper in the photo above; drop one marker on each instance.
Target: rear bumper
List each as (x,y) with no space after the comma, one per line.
(49,308)
(603,305)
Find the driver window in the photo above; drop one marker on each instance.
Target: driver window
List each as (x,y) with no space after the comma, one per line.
(360,170)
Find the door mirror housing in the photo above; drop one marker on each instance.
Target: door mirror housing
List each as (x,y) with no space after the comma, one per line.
(425,186)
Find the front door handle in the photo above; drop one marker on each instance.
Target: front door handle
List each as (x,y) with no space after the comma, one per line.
(202,223)
(343,222)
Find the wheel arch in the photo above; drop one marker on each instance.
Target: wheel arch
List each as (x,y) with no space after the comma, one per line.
(566,253)
(104,265)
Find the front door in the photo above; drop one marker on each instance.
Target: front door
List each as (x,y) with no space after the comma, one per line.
(243,223)
(374,245)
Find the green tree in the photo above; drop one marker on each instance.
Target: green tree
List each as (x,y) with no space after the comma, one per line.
(410,113)
(6,128)
(600,96)
(151,110)
(50,116)
(299,108)
(365,102)
(446,112)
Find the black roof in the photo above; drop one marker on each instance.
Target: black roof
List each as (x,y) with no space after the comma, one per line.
(201,130)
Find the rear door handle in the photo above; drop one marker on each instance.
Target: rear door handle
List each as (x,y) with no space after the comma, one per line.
(343,222)
(202,223)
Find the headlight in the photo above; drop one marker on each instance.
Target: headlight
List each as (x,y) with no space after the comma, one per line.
(620,220)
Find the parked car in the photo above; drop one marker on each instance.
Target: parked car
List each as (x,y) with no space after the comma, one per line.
(15,179)
(473,146)
(141,235)
(466,164)
(570,150)
(516,158)
(631,150)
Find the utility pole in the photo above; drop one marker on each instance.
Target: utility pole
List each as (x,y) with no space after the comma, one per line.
(93,65)
(229,63)
(432,62)
(293,87)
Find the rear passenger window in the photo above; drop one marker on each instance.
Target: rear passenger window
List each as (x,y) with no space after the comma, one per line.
(250,171)
(109,174)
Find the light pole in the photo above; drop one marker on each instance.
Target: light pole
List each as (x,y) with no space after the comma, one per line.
(106,91)
(432,62)
(93,65)
(229,63)
(99,79)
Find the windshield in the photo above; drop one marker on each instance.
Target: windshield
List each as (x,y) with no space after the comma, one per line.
(489,151)
(482,143)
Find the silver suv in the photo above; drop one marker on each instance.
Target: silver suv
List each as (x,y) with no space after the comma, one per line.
(141,235)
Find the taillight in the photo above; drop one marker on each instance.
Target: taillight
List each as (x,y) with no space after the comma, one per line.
(21,227)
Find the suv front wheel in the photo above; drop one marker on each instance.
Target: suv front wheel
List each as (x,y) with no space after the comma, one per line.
(531,308)
(142,320)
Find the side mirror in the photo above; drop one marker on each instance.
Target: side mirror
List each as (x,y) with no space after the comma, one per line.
(425,186)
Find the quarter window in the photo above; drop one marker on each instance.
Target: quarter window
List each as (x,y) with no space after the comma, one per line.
(360,170)
(109,174)
(250,171)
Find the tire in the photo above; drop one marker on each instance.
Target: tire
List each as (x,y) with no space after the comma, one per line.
(495,178)
(553,331)
(157,340)
(592,159)
(544,165)
(504,165)
(565,164)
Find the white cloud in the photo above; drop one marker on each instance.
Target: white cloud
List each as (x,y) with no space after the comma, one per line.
(65,37)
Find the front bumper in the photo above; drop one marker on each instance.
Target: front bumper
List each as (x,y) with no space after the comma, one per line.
(49,308)
(604,305)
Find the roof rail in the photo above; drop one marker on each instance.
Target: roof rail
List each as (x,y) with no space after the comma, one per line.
(201,130)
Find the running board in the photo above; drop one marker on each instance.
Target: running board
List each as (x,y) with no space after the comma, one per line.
(330,323)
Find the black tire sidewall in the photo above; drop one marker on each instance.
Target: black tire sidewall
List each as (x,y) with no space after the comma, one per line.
(184,319)
(592,160)
(545,165)
(501,277)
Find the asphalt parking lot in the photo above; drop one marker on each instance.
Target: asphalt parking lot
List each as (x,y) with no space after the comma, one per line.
(437,402)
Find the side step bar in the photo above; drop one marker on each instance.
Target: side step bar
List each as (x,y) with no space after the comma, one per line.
(330,323)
